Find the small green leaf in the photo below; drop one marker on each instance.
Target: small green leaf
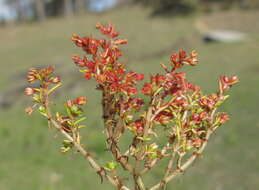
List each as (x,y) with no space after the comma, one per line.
(110,166)
(65,149)
(67,145)
(55,87)
(145,139)
(83,70)
(79,120)
(37,98)
(68,111)
(76,110)
(43,111)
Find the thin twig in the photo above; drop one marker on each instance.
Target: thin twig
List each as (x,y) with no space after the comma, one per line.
(87,156)
(98,169)
(184,166)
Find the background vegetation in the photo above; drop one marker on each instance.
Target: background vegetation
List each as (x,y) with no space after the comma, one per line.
(29,153)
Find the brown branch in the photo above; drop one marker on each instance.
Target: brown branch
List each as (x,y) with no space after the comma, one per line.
(161,109)
(149,167)
(170,164)
(139,185)
(154,162)
(99,170)
(185,165)
(109,126)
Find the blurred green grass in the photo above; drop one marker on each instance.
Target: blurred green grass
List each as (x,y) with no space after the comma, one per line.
(30,157)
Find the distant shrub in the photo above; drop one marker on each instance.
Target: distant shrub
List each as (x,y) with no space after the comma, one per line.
(188,6)
(167,101)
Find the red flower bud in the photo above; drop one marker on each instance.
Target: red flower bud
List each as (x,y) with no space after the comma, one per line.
(81,100)
(88,75)
(223,117)
(78,41)
(182,54)
(32,71)
(139,76)
(131,90)
(174,58)
(28,110)
(164,117)
(178,59)
(147,89)
(55,80)
(180,101)
(195,118)
(158,79)
(29,91)
(197,143)
(69,103)
(49,70)
(203,115)
(230,80)
(120,41)
(139,126)
(78,61)
(226,82)
(207,102)
(179,76)
(31,78)
(133,77)
(193,59)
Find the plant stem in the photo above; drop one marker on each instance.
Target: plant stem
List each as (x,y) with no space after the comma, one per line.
(185,165)
(99,170)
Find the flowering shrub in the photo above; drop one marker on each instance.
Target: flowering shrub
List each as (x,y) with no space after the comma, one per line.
(187,116)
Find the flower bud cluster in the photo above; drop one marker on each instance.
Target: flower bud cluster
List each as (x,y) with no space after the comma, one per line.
(48,84)
(102,61)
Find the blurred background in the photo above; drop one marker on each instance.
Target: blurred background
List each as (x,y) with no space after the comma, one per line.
(36,33)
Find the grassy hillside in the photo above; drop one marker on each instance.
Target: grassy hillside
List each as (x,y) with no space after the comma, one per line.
(29,153)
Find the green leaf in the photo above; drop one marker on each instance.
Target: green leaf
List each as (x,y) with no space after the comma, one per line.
(37,98)
(220,102)
(79,120)
(43,111)
(110,166)
(145,139)
(65,149)
(76,110)
(54,88)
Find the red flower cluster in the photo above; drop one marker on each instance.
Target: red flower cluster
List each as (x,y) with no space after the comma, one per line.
(173,83)
(198,117)
(138,126)
(81,100)
(147,89)
(223,117)
(164,117)
(209,102)
(47,85)
(108,30)
(226,82)
(132,103)
(181,58)
(102,61)
(42,75)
